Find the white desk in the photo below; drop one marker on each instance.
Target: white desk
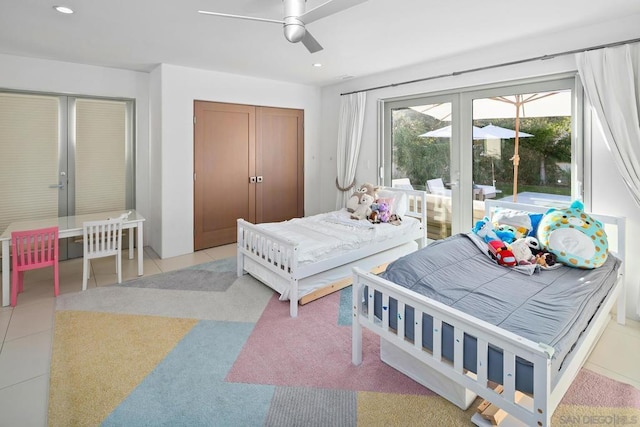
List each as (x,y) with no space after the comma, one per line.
(68,226)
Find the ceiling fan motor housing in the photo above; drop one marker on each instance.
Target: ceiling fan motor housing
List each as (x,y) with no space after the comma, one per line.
(294,29)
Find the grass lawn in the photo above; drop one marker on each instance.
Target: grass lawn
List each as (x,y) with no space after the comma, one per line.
(507,189)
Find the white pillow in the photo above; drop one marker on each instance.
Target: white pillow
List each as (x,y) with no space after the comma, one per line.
(399,206)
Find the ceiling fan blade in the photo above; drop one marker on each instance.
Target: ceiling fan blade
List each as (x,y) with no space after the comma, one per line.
(310,43)
(248,18)
(328,8)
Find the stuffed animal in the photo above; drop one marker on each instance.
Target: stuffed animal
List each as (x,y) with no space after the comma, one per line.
(499,251)
(522,252)
(533,244)
(395,219)
(574,237)
(364,207)
(484,228)
(356,197)
(507,233)
(379,213)
(546,260)
(354,200)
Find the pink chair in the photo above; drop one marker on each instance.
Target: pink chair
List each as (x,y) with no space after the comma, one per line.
(33,249)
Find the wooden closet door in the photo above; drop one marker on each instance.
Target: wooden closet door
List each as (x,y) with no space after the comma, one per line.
(224,159)
(280,163)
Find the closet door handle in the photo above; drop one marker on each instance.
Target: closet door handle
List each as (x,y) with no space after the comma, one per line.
(252,179)
(260,179)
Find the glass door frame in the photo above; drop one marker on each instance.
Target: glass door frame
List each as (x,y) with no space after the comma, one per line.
(67,161)
(456,157)
(461,123)
(65,180)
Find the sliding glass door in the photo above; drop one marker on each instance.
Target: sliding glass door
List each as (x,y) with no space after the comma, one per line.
(516,142)
(420,155)
(64,155)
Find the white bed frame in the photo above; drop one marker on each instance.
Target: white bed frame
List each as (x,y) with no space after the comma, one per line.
(451,380)
(274,260)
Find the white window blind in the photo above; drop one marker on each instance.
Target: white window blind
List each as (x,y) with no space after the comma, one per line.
(29,154)
(100,155)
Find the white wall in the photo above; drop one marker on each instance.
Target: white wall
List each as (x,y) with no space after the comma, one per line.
(154,224)
(39,75)
(179,87)
(608,192)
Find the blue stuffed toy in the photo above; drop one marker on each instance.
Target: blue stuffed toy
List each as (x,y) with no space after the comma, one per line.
(484,228)
(574,237)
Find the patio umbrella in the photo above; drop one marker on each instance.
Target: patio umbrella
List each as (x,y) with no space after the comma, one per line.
(486,132)
(497,132)
(489,132)
(445,132)
(542,104)
(518,102)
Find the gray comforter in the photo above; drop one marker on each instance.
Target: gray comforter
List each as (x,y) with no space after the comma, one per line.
(552,307)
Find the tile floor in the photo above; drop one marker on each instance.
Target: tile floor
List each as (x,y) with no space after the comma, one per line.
(25,331)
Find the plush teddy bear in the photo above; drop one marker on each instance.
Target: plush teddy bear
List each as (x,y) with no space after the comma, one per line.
(356,197)
(364,207)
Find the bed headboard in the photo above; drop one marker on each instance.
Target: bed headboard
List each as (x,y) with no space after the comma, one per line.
(415,202)
(614,226)
(415,205)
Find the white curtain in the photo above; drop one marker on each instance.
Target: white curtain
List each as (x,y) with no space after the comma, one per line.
(349,139)
(611,79)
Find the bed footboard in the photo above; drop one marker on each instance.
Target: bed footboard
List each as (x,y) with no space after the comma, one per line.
(279,256)
(534,411)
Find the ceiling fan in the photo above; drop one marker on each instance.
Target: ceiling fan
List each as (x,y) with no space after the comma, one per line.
(295,19)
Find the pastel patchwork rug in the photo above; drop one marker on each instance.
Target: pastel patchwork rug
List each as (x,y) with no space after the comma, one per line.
(200,347)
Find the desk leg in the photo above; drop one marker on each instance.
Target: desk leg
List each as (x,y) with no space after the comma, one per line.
(130,243)
(6,288)
(140,245)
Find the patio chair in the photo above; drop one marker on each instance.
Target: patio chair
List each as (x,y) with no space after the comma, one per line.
(436,186)
(403,183)
(489,191)
(33,249)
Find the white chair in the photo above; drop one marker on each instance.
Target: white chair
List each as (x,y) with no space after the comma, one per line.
(403,183)
(489,191)
(101,239)
(436,186)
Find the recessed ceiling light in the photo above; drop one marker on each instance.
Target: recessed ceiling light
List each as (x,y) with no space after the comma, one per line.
(317,65)
(63,9)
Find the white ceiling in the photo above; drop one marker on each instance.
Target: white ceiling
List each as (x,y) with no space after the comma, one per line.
(372,37)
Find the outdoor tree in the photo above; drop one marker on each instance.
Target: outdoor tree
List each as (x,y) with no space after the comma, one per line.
(415,157)
(550,145)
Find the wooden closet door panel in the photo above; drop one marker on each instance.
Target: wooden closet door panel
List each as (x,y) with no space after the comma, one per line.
(280,161)
(224,159)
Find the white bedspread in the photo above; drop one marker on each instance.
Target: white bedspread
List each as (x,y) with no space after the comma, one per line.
(334,233)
